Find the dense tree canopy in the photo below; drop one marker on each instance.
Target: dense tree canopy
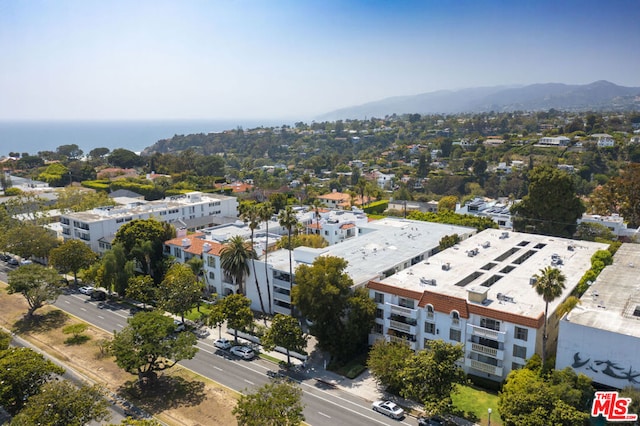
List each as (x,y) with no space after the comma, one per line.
(237,311)
(39,285)
(551,207)
(286,333)
(149,343)
(180,290)
(274,404)
(71,256)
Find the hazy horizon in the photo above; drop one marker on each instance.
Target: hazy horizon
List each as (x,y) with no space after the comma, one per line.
(72,60)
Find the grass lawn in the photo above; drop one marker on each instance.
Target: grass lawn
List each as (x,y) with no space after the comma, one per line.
(195,315)
(478,401)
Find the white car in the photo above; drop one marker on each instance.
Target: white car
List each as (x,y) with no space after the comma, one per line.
(388,408)
(180,327)
(222,344)
(87,289)
(244,352)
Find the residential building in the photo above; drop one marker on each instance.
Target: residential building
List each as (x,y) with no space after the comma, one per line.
(480,293)
(194,210)
(554,141)
(600,337)
(603,140)
(382,248)
(497,210)
(336,200)
(614,222)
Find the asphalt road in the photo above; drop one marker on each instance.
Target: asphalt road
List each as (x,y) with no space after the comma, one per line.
(324,405)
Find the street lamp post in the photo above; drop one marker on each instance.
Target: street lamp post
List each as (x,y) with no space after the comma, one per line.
(489,422)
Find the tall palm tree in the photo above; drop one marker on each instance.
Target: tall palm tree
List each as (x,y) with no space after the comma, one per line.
(234,258)
(288,219)
(265,212)
(316,205)
(251,217)
(549,284)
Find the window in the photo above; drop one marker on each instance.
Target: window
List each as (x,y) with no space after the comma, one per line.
(406,303)
(212,276)
(516,366)
(429,328)
(177,252)
(490,323)
(379,297)
(454,334)
(520,351)
(455,318)
(521,333)
(379,313)
(211,261)
(430,312)
(377,328)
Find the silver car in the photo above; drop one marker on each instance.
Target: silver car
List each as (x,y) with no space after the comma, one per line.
(388,408)
(244,352)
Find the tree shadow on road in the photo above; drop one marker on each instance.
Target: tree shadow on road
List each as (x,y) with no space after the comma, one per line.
(166,392)
(41,323)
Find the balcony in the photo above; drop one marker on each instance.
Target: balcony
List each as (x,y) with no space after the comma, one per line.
(405,312)
(401,326)
(485,350)
(486,332)
(481,366)
(394,339)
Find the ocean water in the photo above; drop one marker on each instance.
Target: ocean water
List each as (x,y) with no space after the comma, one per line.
(35,136)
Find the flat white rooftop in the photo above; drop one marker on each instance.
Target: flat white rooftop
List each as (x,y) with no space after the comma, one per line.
(611,301)
(382,245)
(501,264)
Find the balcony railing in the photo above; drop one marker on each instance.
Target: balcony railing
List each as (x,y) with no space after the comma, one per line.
(486,350)
(485,368)
(394,339)
(405,312)
(486,332)
(400,326)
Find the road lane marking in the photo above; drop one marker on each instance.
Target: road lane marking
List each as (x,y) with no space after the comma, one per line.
(67,302)
(323,414)
(250,382)
(204,350)
(83,309)
(120,325)
(101,317)
(217,368)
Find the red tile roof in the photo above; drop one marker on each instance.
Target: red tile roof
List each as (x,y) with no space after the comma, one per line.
(347,225)
(196,243)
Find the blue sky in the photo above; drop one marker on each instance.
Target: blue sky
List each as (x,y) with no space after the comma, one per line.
(188,59)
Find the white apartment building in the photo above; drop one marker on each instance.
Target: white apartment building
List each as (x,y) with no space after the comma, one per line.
(600,337)
(497,210)
(554,141)
(480,293)
(335,226)
(382,248)
(192,211)
(614,222)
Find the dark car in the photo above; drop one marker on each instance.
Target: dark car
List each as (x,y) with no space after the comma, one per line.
(98,295)
(432,421)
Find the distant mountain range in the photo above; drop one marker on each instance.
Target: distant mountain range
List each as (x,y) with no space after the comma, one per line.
(598,96)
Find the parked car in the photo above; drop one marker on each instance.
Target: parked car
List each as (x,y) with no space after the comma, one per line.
(432,421)
(222,344)
(4,257)
(13,261)
(87,289)
(388,408)
(98,295)
(244,352)
(179,325)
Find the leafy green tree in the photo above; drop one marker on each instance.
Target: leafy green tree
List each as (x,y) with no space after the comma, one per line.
(588,231)
(38,285)
(216,317)
(180,290)
(237,311)
(116,270)
(22,374)
(99,153)
(149,343)
(71,151)
(143,239)
(5,340)
(549,284)
(75,329)
(124,158)
(430,375)
(448,241)
(286,333)
(72,256)
(551,207)
(62,404)
(528,398)
(74,199)
(287,219)
(273,404)
(235,256)
(447,203)
(28,240)
(386,361)
(142,289)
(302,240)
(341,319)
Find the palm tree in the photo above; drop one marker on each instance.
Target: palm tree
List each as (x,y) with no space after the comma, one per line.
(234,258)
(265,211)
(250,215)
(549,284)
(288,219)
(316,209)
